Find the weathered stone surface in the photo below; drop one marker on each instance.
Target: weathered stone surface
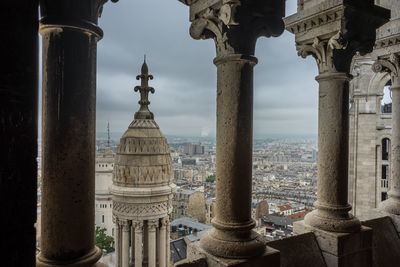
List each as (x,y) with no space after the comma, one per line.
(341,249)
(386,242)
(195,253)
(299,250)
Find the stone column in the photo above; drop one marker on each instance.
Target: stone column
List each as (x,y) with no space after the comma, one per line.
(158,244)
(151,226)
(391,64)
(125,243)
(19,131)
(138,226)
(162,242)
(333,46)
(168,250)
(132,261)
(70,34)
(235,34)
(145,243)
(117,241)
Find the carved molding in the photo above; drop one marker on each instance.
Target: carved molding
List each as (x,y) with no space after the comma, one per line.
(130,175)
(318,20)
(128,209)
(165,221)
(387,42)
(132,145)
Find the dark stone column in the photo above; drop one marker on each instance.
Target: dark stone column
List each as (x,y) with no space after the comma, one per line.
(18,130)
(70,34)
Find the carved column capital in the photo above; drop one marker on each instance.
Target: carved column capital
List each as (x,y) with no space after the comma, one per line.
(335,31)
(73,14)
(164,222)
(330,54)
(125,224)
(115,220)
(235,25)
(390,64)
(138,225)
(152,225)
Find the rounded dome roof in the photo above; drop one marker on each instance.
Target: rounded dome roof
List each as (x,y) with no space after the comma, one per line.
(143,156)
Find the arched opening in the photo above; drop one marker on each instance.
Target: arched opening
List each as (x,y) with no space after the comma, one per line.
(386,102)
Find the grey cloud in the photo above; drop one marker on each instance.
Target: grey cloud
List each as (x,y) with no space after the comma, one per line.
(285,92)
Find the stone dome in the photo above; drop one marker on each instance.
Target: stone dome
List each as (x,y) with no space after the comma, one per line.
(142,186)
(143,157)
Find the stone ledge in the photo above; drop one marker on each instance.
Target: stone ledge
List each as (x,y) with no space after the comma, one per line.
(196,255)
(299,250)
(342,249)
(386,242)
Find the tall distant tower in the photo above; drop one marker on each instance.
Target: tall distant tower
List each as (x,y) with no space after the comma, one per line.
(142,189)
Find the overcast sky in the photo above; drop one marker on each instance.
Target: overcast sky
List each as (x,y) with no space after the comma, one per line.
(185,77)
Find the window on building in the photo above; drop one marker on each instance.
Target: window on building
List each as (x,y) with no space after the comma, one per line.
(102,218)
(386,102)
(384,171)
(112,231)
(384,196)
(385,148)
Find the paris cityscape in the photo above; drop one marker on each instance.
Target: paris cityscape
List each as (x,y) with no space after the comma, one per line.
(284,187)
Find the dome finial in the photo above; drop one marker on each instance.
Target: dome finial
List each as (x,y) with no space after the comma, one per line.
(144,89)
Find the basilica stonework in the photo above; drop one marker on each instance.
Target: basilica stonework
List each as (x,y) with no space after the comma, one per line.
(142,189)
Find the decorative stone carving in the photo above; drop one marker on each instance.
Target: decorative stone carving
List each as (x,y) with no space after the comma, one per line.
(323,52)
(152,225)
(125,225)
(234,33)
(390,65)
(129,209)
(137,225)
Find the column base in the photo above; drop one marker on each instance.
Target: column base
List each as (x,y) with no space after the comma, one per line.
(341,249)
(343,223)
(391,206)
(380,213)
(235,249)
(89,260)
(196,256)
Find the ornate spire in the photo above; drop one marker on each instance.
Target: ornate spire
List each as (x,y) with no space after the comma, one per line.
(144,89)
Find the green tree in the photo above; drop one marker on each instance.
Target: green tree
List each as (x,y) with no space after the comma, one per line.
(104,241)
(211,179)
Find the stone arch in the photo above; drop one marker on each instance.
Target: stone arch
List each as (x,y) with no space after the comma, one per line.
(377,85)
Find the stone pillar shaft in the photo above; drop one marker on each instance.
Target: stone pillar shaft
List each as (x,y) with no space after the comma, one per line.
(234,140)
(68,145)
(117,244)
(395,144)
(125,245)
(333,129)
(138,244)
(132,245)
(162,246)
(168,250)
(152,244)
